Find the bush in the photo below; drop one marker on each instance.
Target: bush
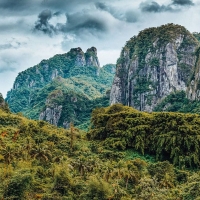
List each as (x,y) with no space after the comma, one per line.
(18,185)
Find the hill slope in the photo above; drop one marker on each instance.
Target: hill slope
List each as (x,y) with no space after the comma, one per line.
(168,136)
(40,161)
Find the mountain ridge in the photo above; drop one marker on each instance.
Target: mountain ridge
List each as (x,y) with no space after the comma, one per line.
(75,74)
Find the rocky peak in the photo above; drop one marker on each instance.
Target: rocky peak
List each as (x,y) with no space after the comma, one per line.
(85,59)
(154,64)
(59,65)
(92,50)
(91,57)
(79,56)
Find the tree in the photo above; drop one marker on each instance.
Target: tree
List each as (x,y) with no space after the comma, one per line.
(41,153)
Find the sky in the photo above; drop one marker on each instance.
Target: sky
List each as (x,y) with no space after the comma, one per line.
(33,30)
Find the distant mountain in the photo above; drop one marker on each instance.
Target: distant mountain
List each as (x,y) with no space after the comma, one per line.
(155,64)
(62,89)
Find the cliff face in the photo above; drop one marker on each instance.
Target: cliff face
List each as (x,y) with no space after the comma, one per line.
(52,110)
(91,57)
(154,64)
(193,91)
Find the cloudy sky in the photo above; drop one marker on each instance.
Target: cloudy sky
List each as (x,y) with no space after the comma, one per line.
(32,30)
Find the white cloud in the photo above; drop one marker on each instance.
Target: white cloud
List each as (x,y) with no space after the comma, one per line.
(21,48)
(108,56)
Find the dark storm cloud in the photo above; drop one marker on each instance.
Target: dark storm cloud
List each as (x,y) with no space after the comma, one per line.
(29,7)
(13,4)
(78,22)
(36,5)
(20,7)
(127,15)
(154,7)
(45,16)
(43,23)
(66,4)
(183,2)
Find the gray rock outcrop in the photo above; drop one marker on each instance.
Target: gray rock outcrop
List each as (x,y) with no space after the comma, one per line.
(51,115)
(148,72)
(91,57)
(52,110)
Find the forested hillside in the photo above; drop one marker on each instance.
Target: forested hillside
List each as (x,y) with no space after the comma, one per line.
(41,161)
(63,88)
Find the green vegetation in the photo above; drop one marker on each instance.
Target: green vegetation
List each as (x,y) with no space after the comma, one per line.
(197,36)
(3,104)
(167,136)
(76,106)
(178,102)
(83,88)
(40,161)
(124,154)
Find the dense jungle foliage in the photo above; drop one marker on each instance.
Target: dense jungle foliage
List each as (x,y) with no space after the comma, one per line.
(178,102)
(40,161)
(76,106)
(167,136)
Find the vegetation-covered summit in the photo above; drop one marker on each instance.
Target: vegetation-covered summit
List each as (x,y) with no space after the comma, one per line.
(151,39)
(76,75)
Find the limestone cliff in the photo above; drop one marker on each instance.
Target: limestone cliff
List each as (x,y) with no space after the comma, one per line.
(193,91)
(91,57)
(52,110)
(154,64)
